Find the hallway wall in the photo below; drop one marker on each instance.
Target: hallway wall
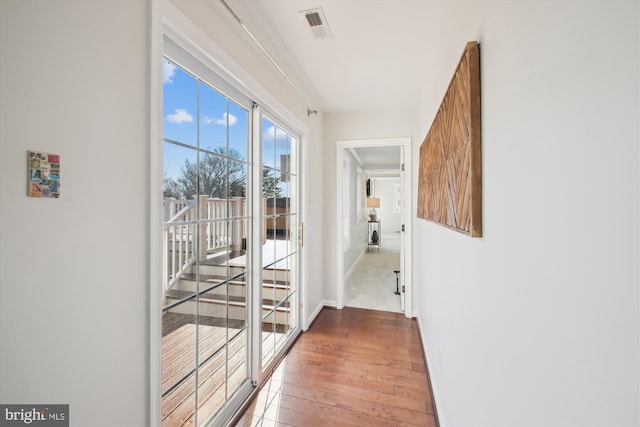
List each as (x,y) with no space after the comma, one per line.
(73,270)
(357,225)
(537,323)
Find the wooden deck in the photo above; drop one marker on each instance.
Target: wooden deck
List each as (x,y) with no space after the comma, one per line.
(353,367)
(178,361)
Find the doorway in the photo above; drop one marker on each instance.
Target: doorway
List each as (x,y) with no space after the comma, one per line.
(353,191)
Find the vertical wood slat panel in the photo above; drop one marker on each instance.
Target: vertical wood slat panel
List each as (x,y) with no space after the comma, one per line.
(450,164)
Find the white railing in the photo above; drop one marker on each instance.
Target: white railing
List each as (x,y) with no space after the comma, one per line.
(172,207)
(179,241)
(182,225)
(219,232)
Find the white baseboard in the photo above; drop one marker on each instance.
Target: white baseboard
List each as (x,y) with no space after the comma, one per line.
(318,309)
(432,380)
(315,313)
(329,303)
(353,267)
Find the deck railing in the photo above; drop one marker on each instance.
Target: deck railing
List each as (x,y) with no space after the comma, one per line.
(206,218)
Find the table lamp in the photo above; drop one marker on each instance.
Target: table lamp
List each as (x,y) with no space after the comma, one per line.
(373,203)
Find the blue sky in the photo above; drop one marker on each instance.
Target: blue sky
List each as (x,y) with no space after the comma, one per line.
(218,119)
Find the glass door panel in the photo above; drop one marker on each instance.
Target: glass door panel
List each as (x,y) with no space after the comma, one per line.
(280,243)
(205,343)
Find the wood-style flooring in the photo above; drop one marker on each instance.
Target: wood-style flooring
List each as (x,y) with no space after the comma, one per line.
(353,367)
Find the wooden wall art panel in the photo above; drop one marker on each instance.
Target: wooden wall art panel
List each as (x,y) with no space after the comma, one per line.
(450,171)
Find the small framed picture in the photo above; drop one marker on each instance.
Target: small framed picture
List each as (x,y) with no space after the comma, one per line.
(43,178)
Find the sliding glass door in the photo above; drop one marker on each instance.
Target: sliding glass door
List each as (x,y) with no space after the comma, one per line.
(230,242)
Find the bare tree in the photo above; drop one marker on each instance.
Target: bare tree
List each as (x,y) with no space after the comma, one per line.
(216,176)
(270,184)
(219,177)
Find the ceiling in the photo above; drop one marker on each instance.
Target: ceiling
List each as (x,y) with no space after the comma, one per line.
(379,56)
(380,53)
(379,161)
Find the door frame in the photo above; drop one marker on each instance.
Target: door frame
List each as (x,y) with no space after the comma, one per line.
(405,275)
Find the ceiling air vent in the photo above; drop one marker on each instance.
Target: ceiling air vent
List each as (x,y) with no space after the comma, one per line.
(318,23)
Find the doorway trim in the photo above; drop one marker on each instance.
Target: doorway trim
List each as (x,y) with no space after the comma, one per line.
(405,277)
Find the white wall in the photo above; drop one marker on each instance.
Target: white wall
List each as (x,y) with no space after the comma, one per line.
(357,224)
(74,272)
(537,323)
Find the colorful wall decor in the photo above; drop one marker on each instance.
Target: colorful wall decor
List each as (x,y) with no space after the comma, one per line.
(450,170)
(44,174)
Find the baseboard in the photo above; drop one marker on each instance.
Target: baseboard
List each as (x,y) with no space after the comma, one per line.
(353,267)
(329,303)
(315,313)
(434,399)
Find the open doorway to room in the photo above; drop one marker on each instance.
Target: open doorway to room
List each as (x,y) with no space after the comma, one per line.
(372,250)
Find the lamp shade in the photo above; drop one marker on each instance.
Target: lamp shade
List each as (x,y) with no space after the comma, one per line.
(373,202)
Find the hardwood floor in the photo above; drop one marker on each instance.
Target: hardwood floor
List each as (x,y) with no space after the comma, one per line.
(353,367)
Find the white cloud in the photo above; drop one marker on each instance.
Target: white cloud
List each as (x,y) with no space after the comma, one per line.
(168,71)
(223,121)
(180,116)
(206,120)
(280,133)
